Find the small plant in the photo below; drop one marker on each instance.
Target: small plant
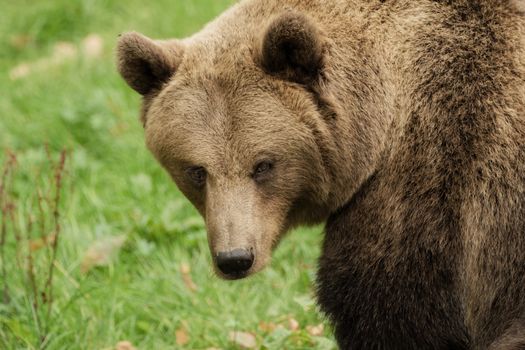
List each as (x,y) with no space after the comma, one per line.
(30,231)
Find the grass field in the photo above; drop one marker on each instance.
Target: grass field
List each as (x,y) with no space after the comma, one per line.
(132,262)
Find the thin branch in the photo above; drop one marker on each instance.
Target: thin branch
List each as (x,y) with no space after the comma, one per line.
(31,275)
(42,221)
(48,289)
(8,168)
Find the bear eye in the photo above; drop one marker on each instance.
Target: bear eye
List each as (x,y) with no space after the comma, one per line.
(197,175)
(262,170)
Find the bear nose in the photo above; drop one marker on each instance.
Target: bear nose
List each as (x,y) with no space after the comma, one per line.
(235,262)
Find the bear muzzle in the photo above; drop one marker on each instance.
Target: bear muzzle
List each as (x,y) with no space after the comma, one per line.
(236,263)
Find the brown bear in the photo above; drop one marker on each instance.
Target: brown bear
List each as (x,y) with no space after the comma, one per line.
(399,123)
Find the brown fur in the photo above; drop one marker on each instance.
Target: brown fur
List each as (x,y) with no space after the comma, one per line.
(400,122)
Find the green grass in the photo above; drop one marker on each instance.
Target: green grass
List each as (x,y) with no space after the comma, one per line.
(114,187)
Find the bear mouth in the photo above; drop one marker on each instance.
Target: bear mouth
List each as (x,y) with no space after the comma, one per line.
(235,276)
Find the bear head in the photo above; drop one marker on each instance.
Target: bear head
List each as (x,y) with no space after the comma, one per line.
(236,118)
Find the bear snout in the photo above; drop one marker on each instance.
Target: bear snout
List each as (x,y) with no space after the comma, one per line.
(235,263)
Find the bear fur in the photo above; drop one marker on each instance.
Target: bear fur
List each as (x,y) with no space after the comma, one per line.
(399,123)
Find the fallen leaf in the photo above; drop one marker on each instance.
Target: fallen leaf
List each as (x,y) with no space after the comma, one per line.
(243,339)
(305,266)
(315,331)
(62,51)
(39,243)
(293,325)
(21,41)
(181,336)
(102,252)
(20,71)
(186,277)
(267,327)
(125,345)
(185,268)
(189,283)
(93,45)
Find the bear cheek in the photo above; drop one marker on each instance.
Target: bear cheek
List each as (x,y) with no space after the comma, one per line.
(273,221)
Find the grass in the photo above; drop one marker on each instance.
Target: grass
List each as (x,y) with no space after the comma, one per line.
(158,292)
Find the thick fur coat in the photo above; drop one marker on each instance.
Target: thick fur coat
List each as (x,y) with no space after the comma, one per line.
(399,123)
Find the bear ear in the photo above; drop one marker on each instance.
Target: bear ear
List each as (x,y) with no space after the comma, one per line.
(146,64)
(293,48)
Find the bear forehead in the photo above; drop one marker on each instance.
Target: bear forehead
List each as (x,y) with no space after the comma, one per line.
(207,118)
(228,65)
(206,96)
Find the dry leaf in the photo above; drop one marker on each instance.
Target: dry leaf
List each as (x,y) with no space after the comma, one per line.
(62,51)
(20,71)
(102,252)
(41,242)
(243,339)
(185,268)
(315,331)
(293,325)
(189,283)
(21,41)
(181,336)
(186,277)
(125,345)
(92,46)
(267,327)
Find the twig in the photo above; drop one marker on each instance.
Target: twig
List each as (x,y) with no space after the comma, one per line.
(42,221)
(3,226)
(48,288)
(11,212)
(31,276)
